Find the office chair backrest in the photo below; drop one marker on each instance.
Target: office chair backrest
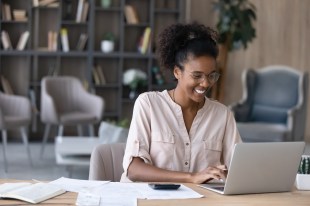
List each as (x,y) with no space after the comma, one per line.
(106,162)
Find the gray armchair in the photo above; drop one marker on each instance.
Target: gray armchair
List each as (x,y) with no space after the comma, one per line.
(273,107)
(15,113)
(64,101)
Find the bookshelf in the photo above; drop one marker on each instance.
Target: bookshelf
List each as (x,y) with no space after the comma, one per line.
(43,53)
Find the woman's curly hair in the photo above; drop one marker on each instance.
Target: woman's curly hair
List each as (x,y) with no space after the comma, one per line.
(178,41)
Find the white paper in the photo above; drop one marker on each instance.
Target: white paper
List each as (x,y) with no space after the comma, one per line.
(126,194)
(117,194)
(87,199)
(75,185)
(182,193)
(7,187)
(123,194)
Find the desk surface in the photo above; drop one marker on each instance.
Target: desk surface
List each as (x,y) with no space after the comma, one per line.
(299,198)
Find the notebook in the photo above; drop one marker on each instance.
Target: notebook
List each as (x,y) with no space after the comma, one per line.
(261,168)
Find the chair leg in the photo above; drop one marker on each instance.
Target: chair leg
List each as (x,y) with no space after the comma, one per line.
(91,130)
(45,137)
(60,130)
(25,140)
(69,170)
(80,130)
(4,142)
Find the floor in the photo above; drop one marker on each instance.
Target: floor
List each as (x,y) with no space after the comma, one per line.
(44,168)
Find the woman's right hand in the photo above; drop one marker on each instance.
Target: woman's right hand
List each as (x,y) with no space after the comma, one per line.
(217,173)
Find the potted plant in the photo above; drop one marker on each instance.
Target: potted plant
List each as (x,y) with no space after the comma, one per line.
(303,174)
(236,29)
(134,78)
(107,43)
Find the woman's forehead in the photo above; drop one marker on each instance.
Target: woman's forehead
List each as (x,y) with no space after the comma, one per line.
(201,63)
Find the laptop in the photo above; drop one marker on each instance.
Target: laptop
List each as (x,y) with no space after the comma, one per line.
(261,168)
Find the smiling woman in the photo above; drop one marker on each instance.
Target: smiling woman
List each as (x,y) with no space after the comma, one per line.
(180,135)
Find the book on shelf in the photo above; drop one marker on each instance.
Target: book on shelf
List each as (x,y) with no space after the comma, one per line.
(82,42)
(79,11)
(6,12)
(95,76)
(98,75)
(52,40)
(85,12)
(19,15)
(131,15)
(6,41)
(22,40)
(47,2)
(30,192)
(144,41)
(6,86)
(101,75)
(64,40)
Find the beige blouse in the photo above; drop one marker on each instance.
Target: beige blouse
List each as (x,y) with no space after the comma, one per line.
(158,135)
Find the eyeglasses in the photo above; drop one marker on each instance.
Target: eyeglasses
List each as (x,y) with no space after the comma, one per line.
(199,77)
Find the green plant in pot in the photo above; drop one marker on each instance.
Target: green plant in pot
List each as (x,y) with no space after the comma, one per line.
(236,29)
(107,43)
(303,174)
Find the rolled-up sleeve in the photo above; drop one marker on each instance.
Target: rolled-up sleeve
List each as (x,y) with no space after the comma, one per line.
(138,142)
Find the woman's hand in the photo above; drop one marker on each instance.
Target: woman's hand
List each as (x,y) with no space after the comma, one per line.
(217,173)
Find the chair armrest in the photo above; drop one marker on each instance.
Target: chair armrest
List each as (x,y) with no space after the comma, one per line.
(92,104)
(241,111)
(296,117)
(48,109)
(16,105)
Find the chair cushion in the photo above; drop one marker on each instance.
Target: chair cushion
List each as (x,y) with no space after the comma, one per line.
(269,114)
(15,121)
(262,132)
(77,118)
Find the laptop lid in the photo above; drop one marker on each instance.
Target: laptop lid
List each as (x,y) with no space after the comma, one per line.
(262,168)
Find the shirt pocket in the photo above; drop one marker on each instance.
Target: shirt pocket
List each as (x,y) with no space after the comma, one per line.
(162,149)
(213,151)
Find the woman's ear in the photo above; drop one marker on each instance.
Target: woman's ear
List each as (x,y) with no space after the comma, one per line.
(177,72)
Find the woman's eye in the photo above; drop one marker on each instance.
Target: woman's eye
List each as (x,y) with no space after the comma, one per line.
(197,76)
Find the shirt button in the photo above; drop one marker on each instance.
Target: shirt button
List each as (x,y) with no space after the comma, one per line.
(186,163)
(187,144)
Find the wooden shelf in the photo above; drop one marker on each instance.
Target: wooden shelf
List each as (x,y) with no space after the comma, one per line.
(25,68)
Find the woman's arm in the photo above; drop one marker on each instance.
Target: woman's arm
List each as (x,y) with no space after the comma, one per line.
(139,171)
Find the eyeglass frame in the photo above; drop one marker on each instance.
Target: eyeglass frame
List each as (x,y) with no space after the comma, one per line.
(204,76)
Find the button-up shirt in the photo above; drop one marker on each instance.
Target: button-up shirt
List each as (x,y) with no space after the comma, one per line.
(158,135)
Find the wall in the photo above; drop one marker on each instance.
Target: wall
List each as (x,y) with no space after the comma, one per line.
(283,37)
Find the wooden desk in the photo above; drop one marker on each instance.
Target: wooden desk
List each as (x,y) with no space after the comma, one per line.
(299,198)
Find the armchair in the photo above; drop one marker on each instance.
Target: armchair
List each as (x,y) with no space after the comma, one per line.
(106,162)
(15,112)
(64,102)
(273,106)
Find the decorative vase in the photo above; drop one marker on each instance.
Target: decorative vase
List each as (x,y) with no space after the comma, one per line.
(106,3)
(107,46)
